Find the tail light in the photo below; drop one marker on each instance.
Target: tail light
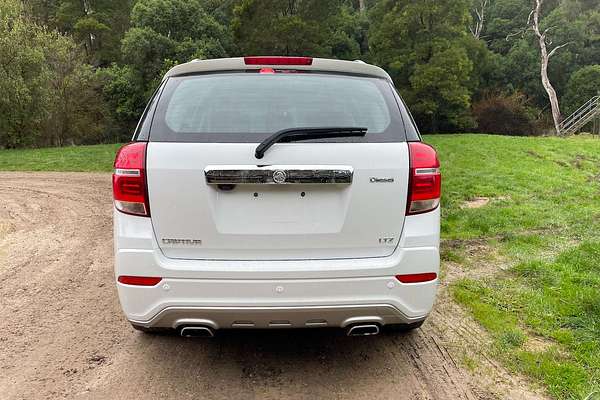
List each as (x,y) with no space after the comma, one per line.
(417,278)
(275,60)
(425,180)
(139,280)
(129,180)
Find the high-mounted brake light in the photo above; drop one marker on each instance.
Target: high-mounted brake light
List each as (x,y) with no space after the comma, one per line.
(129,180)
(417,278)
(139,280)
(275,60)
(425,180)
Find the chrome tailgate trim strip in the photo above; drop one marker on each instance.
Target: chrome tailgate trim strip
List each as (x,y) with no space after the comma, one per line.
(278,174)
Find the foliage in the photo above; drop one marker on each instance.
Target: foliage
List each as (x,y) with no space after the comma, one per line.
(297,27)
(421,45)
(578,24)
(49,96)
(440,68)
(499,113)
(74,111)
(572,22)
(522,71)
(163,33)
(121,89)
(98,25)
(583,85)
(504,17)
(23,74)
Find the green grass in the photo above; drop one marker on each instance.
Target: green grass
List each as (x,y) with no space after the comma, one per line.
(98,158)
(543,221)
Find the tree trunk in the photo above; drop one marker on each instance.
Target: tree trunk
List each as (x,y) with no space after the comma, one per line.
(544,58)
(479,22)
(556,117)
(364,40)
(362,6)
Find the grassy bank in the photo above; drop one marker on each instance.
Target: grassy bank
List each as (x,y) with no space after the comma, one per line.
(530,243)
(521,217)
(75,158)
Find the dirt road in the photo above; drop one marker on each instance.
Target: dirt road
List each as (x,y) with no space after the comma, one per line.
(62,334)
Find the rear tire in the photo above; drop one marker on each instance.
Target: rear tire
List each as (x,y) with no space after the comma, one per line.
(400,328)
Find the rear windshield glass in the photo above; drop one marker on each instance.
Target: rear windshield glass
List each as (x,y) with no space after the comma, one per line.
(247,107)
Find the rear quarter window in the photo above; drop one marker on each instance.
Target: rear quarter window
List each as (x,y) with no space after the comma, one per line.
(248,107)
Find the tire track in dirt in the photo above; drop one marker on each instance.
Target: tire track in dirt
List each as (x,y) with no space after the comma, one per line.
(62,334)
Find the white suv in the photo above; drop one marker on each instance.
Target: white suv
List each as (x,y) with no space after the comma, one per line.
(276,192)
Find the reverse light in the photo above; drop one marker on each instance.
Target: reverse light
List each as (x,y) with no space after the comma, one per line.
(129,180)
(278,60)
(425,180)
(417,278)
(139,280)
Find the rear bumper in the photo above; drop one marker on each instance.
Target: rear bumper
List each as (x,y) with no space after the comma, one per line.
(272,294)
(276,303)
(277,317)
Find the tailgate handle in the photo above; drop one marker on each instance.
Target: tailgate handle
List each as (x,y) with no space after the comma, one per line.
(278,174)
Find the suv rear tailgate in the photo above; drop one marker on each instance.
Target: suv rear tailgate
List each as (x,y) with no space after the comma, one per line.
(195,220)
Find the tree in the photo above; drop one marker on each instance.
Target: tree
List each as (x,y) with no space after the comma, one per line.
(583,85)
(443,55)
(179,30)
(521,71)
(488,68)
(162,33)
(421,44)
(297,27)
(503,18)
(479,14)
(98,25)
(362,6)
(47,94)
(42,12)
(75,114)
(123,90)
(545,55)
(24,91)
(576,23)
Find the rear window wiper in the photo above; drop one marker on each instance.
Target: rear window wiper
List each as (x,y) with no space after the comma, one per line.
(295,134)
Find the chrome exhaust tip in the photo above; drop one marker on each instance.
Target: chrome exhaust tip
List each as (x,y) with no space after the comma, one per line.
(196,331)
(363,330)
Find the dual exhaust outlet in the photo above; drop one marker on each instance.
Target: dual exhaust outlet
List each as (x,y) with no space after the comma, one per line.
(363,330)
(197,331)
(206,332)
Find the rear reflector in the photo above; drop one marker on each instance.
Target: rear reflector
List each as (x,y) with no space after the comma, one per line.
(425,180)
(416,278)
(273,60)
(139,280)
(129,180)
